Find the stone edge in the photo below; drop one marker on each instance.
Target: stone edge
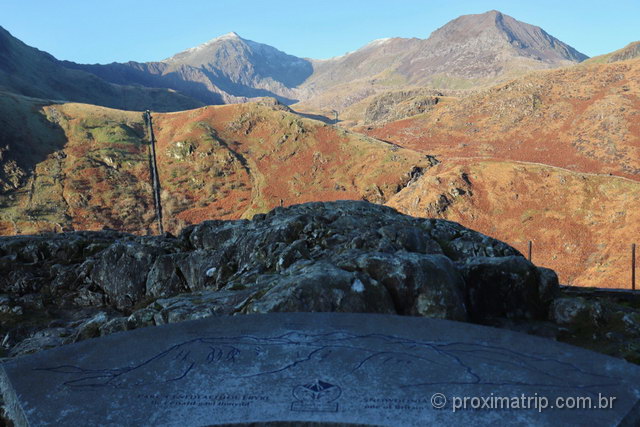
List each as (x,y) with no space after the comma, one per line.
(12,406)
(632,418)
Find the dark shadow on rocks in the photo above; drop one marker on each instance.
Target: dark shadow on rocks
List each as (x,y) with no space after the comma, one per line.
(27,137)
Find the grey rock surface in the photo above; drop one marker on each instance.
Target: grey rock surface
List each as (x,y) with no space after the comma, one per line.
(397,105)
(344,256)
(121,272)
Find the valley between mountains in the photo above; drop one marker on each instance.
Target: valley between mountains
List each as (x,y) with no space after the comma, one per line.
(489,122)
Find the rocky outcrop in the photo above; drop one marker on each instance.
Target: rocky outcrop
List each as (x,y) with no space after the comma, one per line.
(342,256)
(632,50)
(391,106)
(604,321)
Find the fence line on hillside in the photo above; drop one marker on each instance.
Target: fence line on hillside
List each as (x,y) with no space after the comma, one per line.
(153,164)
(633,266)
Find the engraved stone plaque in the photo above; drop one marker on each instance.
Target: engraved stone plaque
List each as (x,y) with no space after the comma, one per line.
(320,367)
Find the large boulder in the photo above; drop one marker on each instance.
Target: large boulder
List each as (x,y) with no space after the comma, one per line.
(121,272)
(165,277)
(42,263)
(502,287)
(419,285)
(577,313)
(322,287)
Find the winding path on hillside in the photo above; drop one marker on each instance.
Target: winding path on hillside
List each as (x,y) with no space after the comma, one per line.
(525,163)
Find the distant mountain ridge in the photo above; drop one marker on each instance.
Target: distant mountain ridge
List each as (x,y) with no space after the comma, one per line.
(470,51)
(28,71)
(471,46)
(226,69)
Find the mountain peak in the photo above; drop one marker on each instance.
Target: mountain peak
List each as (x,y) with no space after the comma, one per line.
(204,47)
(232,35)
(494,31)
(229,35)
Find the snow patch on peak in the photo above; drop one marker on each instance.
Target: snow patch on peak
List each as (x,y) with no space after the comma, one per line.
(377,42)
(230,35)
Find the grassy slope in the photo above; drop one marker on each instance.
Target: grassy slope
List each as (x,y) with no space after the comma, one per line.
(233,161)
(215,162)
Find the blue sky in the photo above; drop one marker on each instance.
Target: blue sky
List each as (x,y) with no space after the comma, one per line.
(89,31)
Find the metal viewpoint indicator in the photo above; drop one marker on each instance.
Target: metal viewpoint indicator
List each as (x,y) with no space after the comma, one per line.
(365,369)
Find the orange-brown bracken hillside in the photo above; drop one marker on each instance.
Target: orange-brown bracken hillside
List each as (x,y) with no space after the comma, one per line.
(581,225)
(553,157)
(78,166)
(585,118)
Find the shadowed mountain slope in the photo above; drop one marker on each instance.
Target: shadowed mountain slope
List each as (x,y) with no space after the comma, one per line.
(28,71)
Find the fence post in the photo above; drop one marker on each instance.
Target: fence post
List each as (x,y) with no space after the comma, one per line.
(633,266)
(530,249)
